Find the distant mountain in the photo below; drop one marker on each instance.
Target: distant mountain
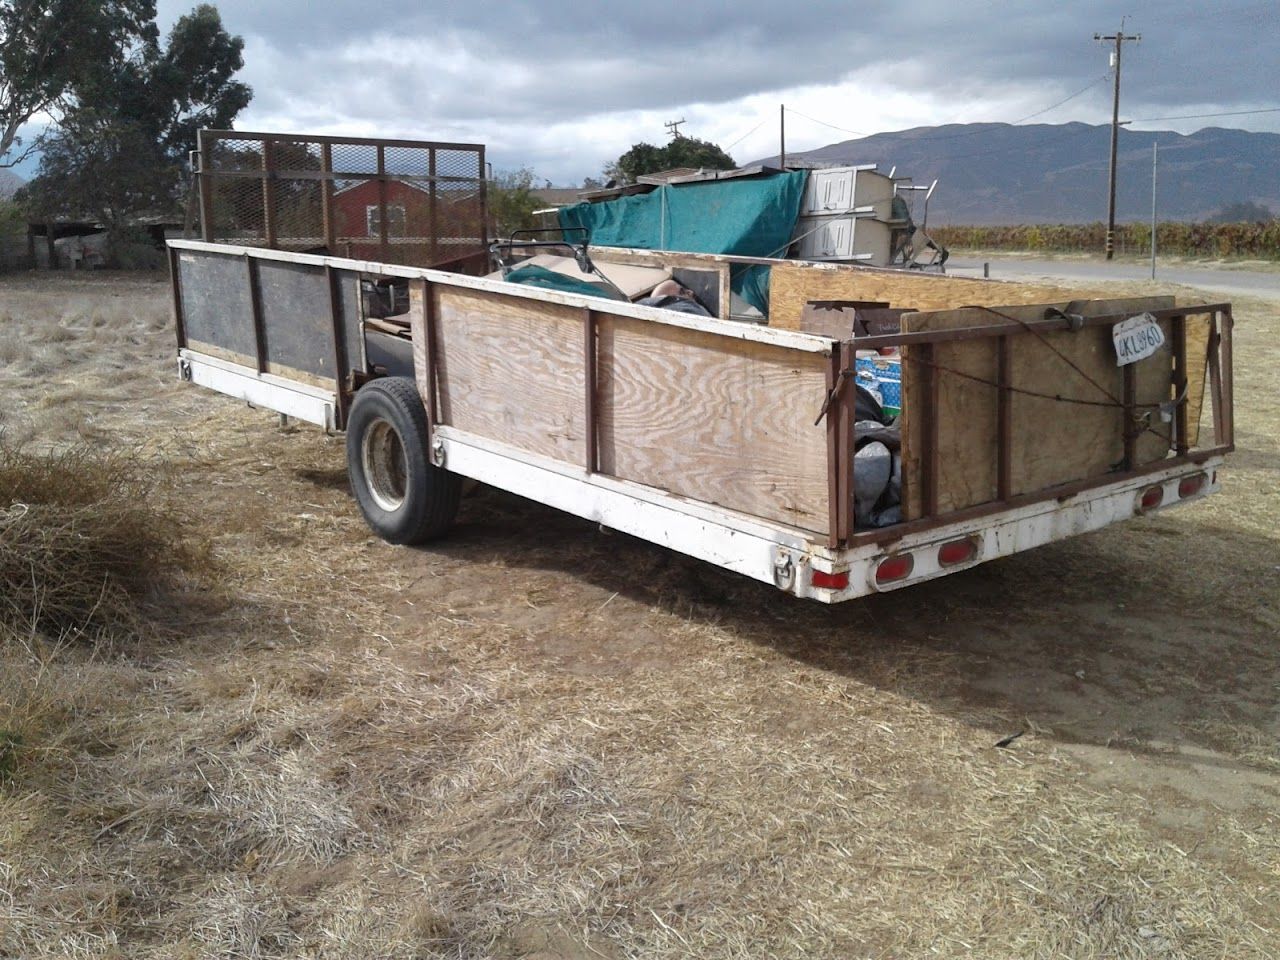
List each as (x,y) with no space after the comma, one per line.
(1044,173)
(9,182)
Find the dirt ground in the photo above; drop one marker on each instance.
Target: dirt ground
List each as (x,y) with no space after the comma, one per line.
(538,739)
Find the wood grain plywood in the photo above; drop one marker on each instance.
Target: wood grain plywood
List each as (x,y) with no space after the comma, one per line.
(512,370)
(1198,328)
(792,285)
(716,419)
(1053,441)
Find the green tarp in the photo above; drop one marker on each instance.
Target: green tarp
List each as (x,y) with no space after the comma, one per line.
(747,216)
(535,276)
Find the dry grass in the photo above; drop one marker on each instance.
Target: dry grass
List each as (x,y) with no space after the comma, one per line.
(84,542)
(537,741)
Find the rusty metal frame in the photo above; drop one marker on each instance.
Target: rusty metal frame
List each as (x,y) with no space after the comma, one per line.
(429,352)
(840,414)
(341,367)
(1029,326)
(270,174)
(1004,418)
(222,134)
(590,343)
(326,198)
(255,314)
(920,360)
(175,287)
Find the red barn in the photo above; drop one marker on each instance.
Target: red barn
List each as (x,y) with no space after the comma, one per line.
(420,229)
(356,210)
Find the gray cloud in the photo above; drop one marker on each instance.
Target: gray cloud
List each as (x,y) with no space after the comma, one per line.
(525,76)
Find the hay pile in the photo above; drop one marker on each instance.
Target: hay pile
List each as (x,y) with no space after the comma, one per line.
(83,542)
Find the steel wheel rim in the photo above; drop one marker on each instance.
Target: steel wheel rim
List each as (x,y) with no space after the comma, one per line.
(385,466)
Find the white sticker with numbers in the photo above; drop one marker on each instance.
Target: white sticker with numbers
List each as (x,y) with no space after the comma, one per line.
(1136,338)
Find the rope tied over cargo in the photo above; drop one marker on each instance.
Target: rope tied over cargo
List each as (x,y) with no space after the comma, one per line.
(1141,421)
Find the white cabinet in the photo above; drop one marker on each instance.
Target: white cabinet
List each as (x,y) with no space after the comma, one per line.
(847,189)
(843,237)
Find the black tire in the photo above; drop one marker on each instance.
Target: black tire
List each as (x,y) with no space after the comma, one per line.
(404,497)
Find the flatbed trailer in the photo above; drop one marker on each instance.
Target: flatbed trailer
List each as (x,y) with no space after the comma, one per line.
(698,433)
(729,441)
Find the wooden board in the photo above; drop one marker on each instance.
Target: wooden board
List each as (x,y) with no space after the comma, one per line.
(713,418)
(1052,441)
(677,264)
(512,370)
(1198,328)
(792,285)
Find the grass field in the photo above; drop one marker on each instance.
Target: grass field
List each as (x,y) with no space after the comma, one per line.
(539,740)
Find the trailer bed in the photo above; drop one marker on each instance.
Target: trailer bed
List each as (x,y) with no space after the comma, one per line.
(732,441)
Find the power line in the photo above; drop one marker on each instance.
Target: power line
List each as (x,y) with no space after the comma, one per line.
(967,133)
(1085,89)
(744,136)
(856,133)
(1202,116)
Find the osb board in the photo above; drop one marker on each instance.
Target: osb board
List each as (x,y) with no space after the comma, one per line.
(1053,441)
(712,418)
(792,285)
(512,370)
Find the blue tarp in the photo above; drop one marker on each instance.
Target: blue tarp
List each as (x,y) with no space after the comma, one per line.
(747,216)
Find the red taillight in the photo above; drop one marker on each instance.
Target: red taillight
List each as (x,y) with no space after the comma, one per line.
(894,568)
(957,551)
(1190,486)
(831,581)
(1152,497)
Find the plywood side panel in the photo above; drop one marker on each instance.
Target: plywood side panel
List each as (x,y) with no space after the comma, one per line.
(716,419)
(1198,328)
(792,285)
(1053,441)
(512,370)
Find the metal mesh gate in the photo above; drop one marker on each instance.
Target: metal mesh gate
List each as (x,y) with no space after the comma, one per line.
(396,201)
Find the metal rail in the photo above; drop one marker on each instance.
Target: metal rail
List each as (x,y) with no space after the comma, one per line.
(300,192)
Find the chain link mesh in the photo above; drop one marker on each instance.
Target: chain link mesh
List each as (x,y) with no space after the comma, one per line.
(405,202)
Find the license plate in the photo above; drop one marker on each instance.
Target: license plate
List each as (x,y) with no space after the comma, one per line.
(1136,338)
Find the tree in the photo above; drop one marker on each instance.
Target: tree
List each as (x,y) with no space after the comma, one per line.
(645,158)
(512,201)
(121,145)
(48,46)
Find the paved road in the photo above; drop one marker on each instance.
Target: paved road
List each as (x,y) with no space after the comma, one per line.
(1232,282)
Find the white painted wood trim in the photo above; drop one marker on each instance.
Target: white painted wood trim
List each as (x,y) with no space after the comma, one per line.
(777,533)
(297,400)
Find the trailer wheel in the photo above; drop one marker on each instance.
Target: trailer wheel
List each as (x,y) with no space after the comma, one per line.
(403,496)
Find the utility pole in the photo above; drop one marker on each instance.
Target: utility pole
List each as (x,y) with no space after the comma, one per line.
(673,127)
(782,136)
(1119,37)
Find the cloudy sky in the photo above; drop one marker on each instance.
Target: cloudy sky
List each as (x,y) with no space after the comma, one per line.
(563,87)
